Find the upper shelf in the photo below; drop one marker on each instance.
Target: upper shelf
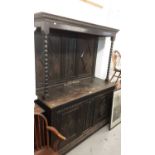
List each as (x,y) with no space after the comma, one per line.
(46,20)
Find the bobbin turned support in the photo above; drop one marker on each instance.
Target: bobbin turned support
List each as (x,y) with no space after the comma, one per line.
(110,54)
(45,31)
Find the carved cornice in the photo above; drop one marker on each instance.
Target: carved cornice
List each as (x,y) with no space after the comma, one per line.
(57,22)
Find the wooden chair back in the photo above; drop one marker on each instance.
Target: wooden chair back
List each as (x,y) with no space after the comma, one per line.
(41,137)
(116,58)
(116,67)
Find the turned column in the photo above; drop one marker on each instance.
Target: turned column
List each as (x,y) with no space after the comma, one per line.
(45,32)
(110,54)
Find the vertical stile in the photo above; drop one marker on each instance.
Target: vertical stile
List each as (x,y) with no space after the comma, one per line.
(35,134)
(39,137)
(43,132)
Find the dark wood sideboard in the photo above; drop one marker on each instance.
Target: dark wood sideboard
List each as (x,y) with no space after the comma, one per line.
(74,101)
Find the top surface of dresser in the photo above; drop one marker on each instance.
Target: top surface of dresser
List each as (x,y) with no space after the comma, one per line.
(78,89)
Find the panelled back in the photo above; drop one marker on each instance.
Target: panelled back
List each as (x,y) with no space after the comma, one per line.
(71,56)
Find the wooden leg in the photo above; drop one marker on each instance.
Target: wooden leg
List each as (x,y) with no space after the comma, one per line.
(118,76)
(113,76)
(118,85)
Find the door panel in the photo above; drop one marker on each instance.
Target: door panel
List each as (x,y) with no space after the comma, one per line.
(85,55)
(101,107)
(70,122)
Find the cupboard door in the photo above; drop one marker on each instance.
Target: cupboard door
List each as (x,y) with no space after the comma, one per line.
(86,55)
(101,108)
(70,122)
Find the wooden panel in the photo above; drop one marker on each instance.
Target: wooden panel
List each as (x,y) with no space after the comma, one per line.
(62,54)
(83,136)
(70,122)
(102,108)
(54,57)
(69,55)
(86,55)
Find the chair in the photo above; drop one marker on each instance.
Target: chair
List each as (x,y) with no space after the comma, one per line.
(116,67)
(41,136)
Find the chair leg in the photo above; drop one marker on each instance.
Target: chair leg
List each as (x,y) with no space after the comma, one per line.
(118,85)
(113,76)
(118,77)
